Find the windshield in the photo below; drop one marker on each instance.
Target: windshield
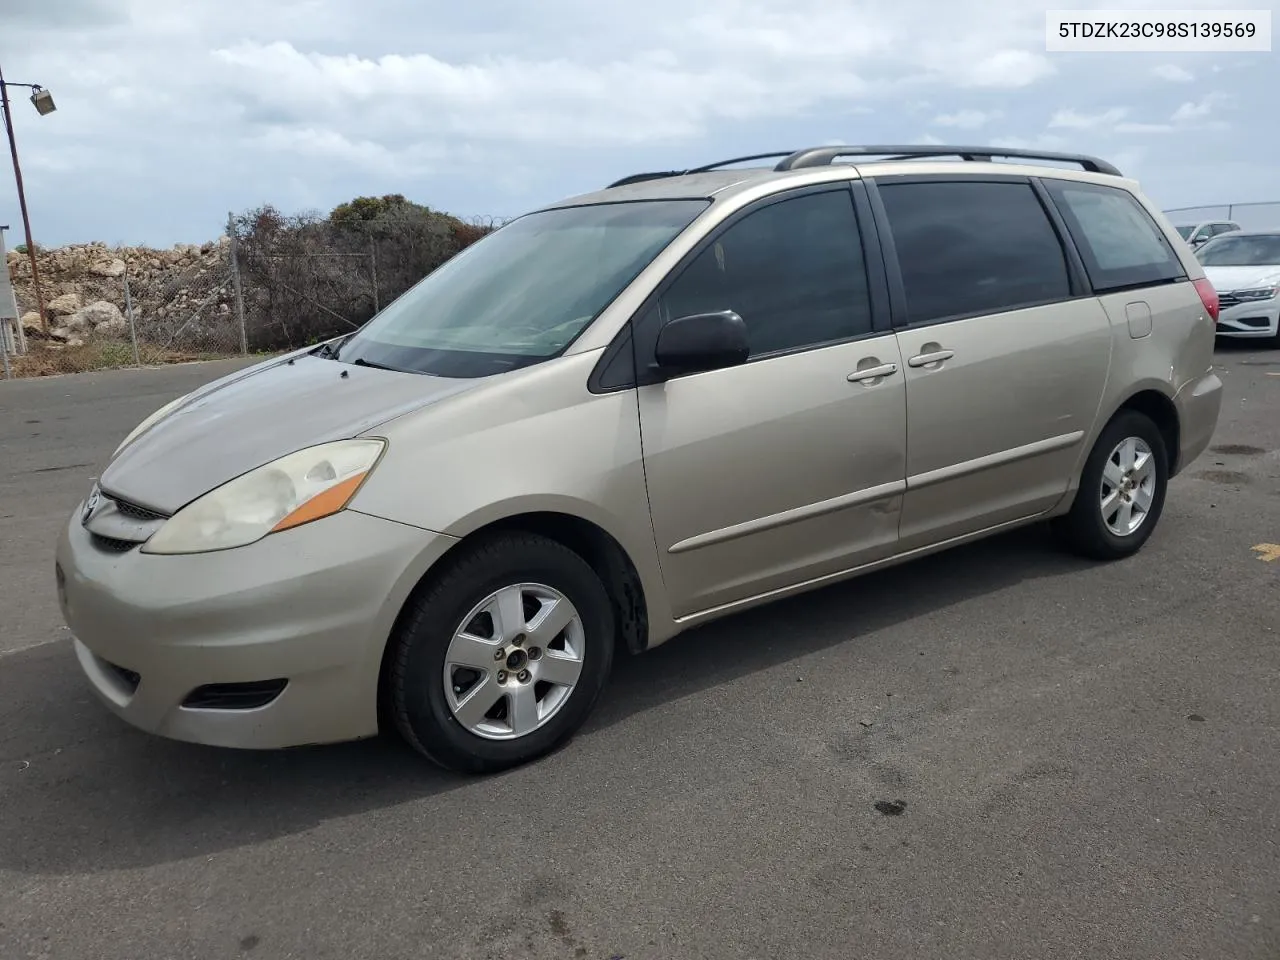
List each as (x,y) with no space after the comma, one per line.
(1262,250)
(1185,232)
(521,294)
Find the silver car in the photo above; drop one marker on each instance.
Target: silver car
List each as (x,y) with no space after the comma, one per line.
(628,414)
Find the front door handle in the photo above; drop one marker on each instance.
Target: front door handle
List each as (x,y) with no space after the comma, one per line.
(873,373)
(934,356)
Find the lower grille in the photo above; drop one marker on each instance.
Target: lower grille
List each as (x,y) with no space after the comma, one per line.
(111,544)
(234,696)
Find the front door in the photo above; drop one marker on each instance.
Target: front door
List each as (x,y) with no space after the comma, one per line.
(1006,353)
(791,466)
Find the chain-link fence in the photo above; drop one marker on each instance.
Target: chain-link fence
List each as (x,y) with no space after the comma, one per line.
(108,307)
(1250,216)
(271,283)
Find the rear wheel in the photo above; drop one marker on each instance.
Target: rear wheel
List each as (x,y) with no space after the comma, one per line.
(1122,490)
(503,656)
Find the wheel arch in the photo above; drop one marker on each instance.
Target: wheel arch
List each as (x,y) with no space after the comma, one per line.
(1157,404)
(591,541)
(1151,398)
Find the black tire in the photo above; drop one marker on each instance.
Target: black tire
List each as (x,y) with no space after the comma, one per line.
(1083,530)
(416,689)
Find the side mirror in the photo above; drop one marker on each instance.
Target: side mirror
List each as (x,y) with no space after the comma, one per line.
(702,341)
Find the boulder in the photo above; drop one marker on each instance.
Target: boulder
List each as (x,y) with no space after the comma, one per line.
(31,321)
(98,314)
(65,305)
(108,268)
(115,327)
(77,324)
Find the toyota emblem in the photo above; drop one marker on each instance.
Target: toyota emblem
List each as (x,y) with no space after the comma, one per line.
(90,505)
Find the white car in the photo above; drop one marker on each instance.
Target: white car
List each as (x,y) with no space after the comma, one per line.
(1200,233)
(1244,267)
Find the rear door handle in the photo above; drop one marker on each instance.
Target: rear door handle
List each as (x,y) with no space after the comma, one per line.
(873,373)
(924,359)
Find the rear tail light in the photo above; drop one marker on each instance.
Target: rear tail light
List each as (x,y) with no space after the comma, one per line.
(1209,297)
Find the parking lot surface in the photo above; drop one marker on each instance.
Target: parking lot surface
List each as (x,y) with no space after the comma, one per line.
(996,752)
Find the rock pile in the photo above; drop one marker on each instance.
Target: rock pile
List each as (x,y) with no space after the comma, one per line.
(84,289)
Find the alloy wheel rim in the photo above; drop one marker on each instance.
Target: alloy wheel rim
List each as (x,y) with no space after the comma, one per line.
(1128,487)
(514,661)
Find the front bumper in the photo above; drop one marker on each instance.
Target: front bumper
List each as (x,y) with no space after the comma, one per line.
(312,606)
(1260,318)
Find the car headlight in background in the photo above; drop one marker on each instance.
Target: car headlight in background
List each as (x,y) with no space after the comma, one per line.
(1255,294)
(296,489)
(150,422)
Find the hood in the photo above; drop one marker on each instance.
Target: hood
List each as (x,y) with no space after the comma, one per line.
(1226,279)
(252,417)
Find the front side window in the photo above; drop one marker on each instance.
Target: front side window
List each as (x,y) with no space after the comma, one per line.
(522,294)
(1185,232)
(1119,242)
(973,247)
(793,270)
(1261,250)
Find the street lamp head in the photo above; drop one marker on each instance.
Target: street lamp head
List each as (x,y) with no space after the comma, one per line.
(42,100)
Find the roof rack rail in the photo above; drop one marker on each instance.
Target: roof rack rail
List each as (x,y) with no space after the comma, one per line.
(824,156)
(642,177)
(660,175)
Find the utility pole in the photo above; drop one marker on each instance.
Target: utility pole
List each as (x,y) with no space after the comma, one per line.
(22,196)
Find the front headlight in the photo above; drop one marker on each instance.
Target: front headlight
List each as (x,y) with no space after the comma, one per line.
(1257,293)
(150,422)
(296,489)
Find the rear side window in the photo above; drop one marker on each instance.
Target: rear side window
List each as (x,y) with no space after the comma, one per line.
(973,247)
(1119,242)
(793,270)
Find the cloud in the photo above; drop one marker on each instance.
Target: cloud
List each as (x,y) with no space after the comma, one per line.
(1197,109)
(1008,69)
(169,114)
(1045,141)
(1144,128)
(967,119)
(646,96)
(1173,73)
(1073,120)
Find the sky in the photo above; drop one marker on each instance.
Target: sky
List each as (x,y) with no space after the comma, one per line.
(171,113)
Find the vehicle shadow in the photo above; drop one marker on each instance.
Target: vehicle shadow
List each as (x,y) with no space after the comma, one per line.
(83,793)
(1235,346)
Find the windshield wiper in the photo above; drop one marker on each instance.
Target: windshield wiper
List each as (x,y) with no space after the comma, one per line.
(362,362)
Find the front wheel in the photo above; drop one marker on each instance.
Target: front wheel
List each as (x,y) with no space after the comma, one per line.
(1122,490)
(503,655)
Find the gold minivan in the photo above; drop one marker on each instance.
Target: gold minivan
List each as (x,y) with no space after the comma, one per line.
(630,413)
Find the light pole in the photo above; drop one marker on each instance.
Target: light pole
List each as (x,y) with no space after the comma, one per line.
(42,100)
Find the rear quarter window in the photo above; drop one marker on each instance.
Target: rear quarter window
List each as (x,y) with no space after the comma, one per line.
(970,247)
(1119,242)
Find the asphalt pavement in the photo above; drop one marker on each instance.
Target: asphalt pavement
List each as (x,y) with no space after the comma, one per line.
(998,752)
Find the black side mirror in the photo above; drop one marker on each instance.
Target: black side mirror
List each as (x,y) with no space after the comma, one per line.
(702,341)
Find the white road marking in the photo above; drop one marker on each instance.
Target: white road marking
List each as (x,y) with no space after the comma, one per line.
(32,646)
